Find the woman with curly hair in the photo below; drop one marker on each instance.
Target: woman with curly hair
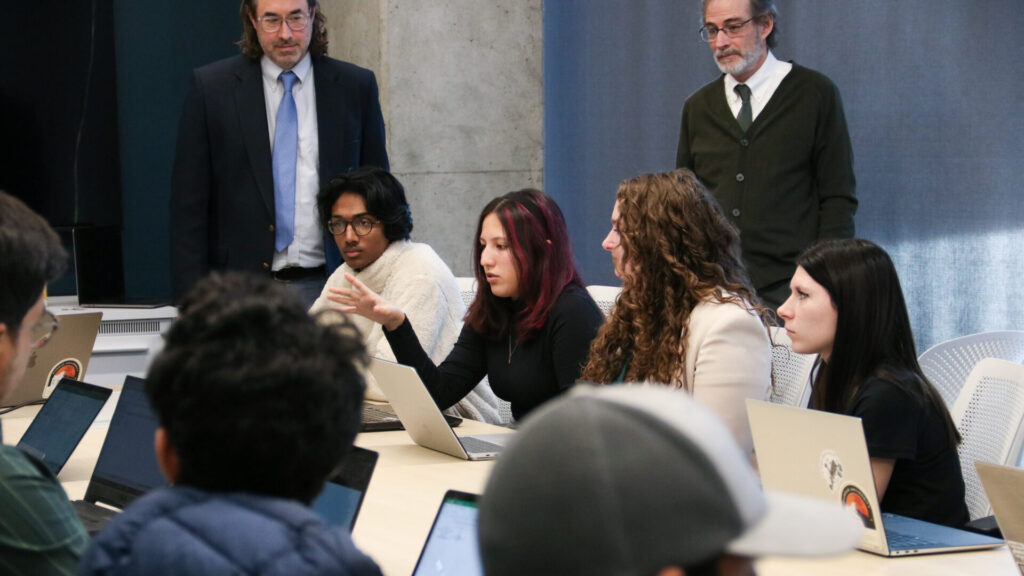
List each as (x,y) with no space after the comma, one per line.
(687,316)
(528,329)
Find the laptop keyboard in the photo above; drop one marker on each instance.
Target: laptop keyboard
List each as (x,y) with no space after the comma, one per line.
(477,446)
(378,413)
(901,541)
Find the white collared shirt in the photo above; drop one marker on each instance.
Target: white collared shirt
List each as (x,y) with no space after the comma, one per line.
(307,247)
(762,85)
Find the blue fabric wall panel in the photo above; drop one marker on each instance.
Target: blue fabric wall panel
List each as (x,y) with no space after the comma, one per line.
(930,95)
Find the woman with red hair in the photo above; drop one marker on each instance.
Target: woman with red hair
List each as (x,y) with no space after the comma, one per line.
(530,326)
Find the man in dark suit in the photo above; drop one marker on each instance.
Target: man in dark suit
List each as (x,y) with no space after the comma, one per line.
(243,192)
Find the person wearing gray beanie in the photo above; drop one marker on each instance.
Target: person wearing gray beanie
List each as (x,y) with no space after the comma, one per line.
(641,481)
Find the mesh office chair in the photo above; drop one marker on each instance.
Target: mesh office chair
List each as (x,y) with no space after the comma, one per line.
(605,297)
(791,372)
(467,288)
(989,413)
(948,363)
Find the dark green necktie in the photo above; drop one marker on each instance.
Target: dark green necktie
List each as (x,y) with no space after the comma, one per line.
(745,117)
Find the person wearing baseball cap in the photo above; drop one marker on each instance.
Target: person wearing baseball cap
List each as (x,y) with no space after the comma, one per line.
(641,481)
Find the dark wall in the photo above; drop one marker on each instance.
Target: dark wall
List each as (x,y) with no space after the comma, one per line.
(58,114)
(929,92)
(158,44)
(90,94)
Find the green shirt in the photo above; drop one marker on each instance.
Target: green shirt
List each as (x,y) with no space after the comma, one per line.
(40,533)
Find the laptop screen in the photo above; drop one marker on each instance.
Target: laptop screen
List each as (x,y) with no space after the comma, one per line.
(343,493)
(62,422)
(127,466)
(451,547)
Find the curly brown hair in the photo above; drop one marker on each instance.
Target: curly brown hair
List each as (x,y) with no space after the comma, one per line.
(680,251)
(250,42)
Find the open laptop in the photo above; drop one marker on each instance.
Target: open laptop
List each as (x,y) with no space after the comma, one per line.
(381,417)
(824,455)
(421,416)
(62,422)
(1004,487)
(451,547)
(343,494)
(65,355)
(127,466)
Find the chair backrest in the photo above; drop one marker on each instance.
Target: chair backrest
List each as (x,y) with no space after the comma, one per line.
(989,413)
(791,372)
(604,296)
(467,288)
(948,363)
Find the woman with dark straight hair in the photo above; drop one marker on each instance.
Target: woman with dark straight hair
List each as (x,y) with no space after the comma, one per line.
(846,305)
(530,325)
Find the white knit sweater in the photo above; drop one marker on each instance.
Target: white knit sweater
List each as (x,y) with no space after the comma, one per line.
(413,277)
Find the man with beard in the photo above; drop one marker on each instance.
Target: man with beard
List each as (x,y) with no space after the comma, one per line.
(259,134)
(769,140)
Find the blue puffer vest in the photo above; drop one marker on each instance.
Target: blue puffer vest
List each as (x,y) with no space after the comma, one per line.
(183,530)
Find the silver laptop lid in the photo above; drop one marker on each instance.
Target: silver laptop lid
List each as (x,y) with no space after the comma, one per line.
(67,354)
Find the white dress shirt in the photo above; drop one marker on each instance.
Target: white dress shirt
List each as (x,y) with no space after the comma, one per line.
(762,85)
(307,247)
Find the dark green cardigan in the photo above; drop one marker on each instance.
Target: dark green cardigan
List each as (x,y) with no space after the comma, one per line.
(785,183)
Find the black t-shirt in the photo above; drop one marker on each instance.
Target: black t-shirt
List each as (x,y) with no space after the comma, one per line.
(900,423)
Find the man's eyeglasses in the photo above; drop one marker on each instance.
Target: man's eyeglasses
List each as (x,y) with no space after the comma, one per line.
(709,33)
(362,226)
(272,22)
(43,329)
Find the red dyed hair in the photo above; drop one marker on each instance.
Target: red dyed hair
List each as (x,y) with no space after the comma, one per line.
(537,235)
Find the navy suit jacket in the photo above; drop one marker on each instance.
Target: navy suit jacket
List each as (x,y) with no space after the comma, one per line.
(222,186)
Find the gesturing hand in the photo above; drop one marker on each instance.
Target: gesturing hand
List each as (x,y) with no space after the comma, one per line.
(361,300)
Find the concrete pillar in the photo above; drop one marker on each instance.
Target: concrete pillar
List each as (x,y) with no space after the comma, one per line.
(462,92)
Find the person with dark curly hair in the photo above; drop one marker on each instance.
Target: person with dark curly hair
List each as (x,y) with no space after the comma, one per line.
(367,214)
(687,316)
(259,134)
(258,404)
(530,325)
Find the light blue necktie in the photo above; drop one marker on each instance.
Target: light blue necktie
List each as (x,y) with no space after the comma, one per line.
(286,151)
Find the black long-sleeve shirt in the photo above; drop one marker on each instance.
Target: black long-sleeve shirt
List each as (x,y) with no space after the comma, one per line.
(524,373)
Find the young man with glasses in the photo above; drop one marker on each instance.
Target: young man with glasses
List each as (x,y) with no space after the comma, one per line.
(259,134)
(368,215)
(39,531)
(769,140)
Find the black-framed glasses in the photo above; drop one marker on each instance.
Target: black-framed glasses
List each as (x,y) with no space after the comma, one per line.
(44,328)
(709,33)
(272,22)
(362,225)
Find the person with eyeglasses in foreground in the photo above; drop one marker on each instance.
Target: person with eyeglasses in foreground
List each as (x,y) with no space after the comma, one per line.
(530,324)
(257,404)
(39,531)
(617,481)
(259,134)
(769,139)
(846,305)
(367,214)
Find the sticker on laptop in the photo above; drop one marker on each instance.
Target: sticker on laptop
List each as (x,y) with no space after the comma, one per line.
(831,470)
(66,368)
(853,497)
